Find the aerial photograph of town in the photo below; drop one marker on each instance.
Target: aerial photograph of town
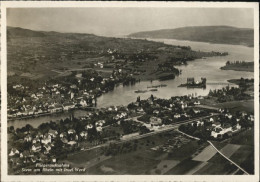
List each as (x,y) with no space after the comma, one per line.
(130,91)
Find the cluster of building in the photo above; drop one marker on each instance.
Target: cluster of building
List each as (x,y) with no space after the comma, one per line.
(220,126)
(57,97)
(153,114)
(51,98)
(37,146)
(219,129)
(40,145)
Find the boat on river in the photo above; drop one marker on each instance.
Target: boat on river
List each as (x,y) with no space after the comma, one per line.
(157,86)
(154,90)
(140,91)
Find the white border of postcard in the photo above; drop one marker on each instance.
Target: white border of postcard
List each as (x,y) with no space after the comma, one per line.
(33,4)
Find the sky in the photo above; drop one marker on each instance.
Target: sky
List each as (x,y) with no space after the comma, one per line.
(123,21)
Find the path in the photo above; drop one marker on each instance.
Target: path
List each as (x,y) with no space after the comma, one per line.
(228,158)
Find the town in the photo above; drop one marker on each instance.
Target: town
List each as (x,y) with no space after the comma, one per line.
(75,91)
(54,141)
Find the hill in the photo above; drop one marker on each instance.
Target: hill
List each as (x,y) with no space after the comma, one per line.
(16,32)
(210,34)
(38,54)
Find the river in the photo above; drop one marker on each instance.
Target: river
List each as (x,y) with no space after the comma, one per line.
(209,68)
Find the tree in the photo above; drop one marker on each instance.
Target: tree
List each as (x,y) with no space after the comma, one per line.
(138,99)
(182,127)
(228,63)
(28,127)
(11,129)
(152,97)
(58,147)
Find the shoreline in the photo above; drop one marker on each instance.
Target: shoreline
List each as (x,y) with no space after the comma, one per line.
(49,114)
(245,45)
(235,69)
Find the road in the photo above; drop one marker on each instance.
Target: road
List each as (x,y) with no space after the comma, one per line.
(228,158)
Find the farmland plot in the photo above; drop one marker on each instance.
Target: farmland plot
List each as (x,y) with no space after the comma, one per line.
(229,149)
(164,166)
(206,154)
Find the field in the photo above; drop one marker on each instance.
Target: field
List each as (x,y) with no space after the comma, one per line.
(185,151)
(206,154)
(233,106)
(217,164)
(218,145)
(247,106)
(191,158)
(244,138)
(84,158)
(143,160)
(132,163)
(212,162)
(229,149)
(164,166)
(208,162)
(239,148)
(184,167)
(244,156)
(216,169)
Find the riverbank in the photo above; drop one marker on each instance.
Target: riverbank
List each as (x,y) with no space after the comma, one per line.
(52,114)
(240,81)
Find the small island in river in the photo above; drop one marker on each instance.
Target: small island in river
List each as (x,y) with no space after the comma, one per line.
(239,66)
(191,83)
